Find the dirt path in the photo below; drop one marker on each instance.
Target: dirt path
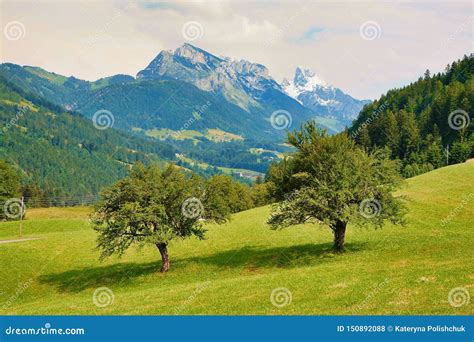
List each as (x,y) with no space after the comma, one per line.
(18,240)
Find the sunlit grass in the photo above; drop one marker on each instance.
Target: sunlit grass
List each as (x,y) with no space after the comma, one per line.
(395,270)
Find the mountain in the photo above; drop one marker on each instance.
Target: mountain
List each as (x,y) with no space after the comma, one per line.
(239,97)
(169,104)
(240,82)
(59,89)
(324,100)
(214,112)
(170,110)
(62,153)
(425,124)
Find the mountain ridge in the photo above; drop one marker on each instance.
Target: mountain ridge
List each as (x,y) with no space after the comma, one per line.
(323,98)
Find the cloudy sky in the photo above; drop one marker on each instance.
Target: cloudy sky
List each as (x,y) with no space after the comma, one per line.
(365,48)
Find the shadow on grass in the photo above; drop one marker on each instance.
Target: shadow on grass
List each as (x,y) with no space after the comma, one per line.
(248,258)
(93,277)
(280,257)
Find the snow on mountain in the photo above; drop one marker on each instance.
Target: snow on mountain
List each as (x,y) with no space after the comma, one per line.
(250,86)
(322,98)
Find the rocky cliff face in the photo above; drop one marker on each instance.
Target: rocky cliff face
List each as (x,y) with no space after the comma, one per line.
(241,82)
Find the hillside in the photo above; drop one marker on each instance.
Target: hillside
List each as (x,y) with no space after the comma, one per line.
(62,153)
(147,107)
(420,122)
(395,270)
(185,89)
(181,115)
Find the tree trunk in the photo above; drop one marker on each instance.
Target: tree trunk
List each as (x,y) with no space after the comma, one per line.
(165,259)
(339,236)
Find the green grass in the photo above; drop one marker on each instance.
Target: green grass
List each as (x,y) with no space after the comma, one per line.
(332,123)
(164,133)
(213,134)
(218,135)
(225,170)
(50,76)
(395,270)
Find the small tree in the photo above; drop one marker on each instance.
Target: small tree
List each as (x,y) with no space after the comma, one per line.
(9,187)
(234,195)
(333,181)
(153,206)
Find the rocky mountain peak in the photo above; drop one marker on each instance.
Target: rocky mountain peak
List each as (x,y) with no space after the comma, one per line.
(327,100)
(306,79)
(239,80)
(196,55)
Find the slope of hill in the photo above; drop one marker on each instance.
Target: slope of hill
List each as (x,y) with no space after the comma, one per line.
(420,121)
(146,107)
(171,104)
(63,153)
(394,270)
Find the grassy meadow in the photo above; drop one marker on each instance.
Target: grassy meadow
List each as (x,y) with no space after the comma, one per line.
(394,270)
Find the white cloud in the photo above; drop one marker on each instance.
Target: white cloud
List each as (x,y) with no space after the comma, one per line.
(92,39)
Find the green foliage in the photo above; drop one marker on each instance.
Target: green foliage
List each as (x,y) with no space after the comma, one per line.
(149,105)
(331,180)
(154,206)
(460,151)
(234,154)
(62,153)
(9,186)
(415,122)
(154,104)
(228,194)
(261,194)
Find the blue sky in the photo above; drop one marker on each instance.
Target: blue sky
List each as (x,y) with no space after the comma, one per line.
(365,48)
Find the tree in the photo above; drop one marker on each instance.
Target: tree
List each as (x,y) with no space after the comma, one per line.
(234,195)
(409,134)
(260,194)
(429,114)
(460,151)
(154,206)
(9,186)
(337,182)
